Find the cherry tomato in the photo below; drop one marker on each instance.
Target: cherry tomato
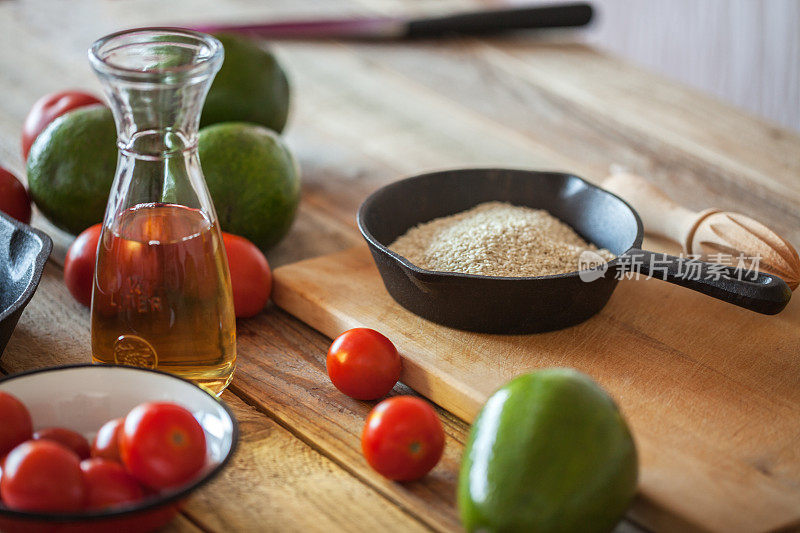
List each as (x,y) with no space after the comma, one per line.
(251,278)
(14,199)
(47,109)
(162,445)
(15,423)
(106,442)
(67,438)
(363,364)
(403,438)
(80,262)
(108,483)
(41,475)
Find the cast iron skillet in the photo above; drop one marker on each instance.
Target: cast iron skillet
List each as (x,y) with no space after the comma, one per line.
(23,253)
(533,304)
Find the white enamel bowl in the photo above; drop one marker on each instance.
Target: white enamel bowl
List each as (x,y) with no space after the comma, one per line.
(83,398)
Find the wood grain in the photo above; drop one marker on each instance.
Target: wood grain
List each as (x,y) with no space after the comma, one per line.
(181,524)
(710,391)
(573,100)
(280,483)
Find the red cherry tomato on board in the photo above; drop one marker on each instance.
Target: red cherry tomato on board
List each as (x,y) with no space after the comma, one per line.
(106,442)
(363,364)
(41,475)
(14,199)
(162,445)
(66,437)
(48,108)
(80,262)
(108,484)
(15,423)
(403,439)
(251,278)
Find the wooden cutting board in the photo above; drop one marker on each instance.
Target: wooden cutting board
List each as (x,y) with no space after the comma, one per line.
(712,392)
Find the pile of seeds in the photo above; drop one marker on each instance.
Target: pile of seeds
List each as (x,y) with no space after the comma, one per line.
(496,239)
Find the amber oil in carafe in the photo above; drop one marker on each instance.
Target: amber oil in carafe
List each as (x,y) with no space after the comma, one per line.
(162,297)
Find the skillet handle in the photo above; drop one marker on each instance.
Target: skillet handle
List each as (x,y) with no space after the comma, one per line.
(756,291)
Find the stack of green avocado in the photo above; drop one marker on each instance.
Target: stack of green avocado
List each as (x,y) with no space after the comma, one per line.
(252,177)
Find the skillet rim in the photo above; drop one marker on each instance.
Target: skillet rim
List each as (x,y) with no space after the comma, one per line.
(372,241)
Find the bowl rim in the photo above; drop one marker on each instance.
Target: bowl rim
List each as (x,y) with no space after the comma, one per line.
(371,240)
(149,503)
(38,268)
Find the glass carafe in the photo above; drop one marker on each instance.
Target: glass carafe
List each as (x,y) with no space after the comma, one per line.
(162,292)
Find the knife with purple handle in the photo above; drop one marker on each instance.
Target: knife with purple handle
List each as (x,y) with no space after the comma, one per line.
(469,23)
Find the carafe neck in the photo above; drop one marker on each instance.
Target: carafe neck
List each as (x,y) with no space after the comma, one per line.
(156,81)
(156,121)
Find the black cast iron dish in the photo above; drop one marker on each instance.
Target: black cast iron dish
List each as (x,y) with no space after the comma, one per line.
(23,253)
(532,304)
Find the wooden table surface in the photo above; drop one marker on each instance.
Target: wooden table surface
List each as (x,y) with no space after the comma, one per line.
(363,115)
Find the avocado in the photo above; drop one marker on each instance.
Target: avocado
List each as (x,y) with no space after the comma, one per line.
(253,180)
(71,167)
(548,452)
(251,86)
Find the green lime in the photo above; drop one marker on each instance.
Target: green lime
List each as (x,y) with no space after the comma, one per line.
(251,86)
(548,452)
(71,167)
(253,179)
